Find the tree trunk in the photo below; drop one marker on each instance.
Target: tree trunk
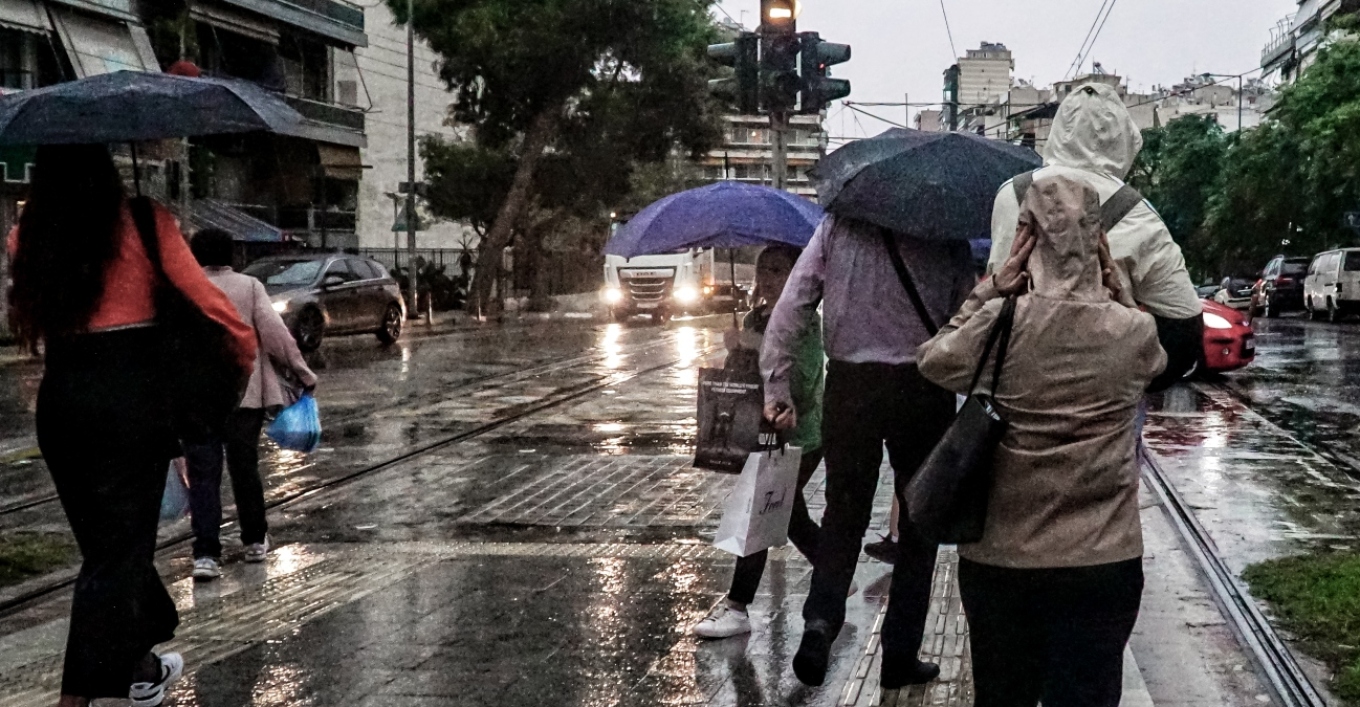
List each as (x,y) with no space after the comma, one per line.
(489,262)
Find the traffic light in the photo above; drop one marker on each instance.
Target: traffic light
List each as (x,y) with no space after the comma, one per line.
(818,88)
(743,89)
(779,16)
(779,80)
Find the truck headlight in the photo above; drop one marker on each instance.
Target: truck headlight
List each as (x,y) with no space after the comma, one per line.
(613,295)
(281,306)
(1213,321)
(686,295)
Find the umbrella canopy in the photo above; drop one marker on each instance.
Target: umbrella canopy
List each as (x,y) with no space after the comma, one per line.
(132,106)
(929,185)
(722,215)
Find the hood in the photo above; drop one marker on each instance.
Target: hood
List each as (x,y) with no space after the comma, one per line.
(1065,264)
(1094,131)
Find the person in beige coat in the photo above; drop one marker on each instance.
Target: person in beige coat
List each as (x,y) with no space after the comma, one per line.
(241,439)
(1052,590)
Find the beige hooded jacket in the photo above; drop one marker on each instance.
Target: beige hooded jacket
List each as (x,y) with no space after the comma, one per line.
(1095,141)
(1066,484)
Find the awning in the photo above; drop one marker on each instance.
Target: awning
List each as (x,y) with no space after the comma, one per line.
(340,162)
(96,46)
(241,23)
(24,15)
(210,213)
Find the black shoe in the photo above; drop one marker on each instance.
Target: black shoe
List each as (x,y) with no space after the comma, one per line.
(884,551)
(918,673)
(814,654)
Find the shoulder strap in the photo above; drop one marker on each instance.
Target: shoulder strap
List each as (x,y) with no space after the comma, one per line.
(1118,206)
(144,218)
(1021,184)
(904,275)
(1001,331)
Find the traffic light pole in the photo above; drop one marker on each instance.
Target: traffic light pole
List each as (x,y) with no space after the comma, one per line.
(412,303)
(779,130)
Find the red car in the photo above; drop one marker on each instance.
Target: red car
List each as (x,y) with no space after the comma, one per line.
(1229,342)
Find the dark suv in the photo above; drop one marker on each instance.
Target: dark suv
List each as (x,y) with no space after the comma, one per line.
(332,293)
(1280,288)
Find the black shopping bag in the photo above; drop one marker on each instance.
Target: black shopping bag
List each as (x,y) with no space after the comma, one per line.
(731,405)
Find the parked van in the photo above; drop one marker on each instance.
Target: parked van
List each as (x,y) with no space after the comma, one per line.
(1332,287)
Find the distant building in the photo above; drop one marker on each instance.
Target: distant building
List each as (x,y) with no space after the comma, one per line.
(931,121)
(985,74)
(747,153)
(1295,39)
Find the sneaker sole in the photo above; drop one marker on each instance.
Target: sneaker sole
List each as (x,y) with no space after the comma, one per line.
(204,576)
(156,697)
(718,636)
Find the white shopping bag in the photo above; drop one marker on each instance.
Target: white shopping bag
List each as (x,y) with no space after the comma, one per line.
(758,510)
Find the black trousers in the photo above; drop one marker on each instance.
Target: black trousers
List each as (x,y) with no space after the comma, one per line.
(241,441)
(1056,635)
(104,434)
(803,533)
(869,405)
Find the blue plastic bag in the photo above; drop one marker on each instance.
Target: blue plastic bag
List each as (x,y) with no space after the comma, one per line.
(298,426)
(175,500)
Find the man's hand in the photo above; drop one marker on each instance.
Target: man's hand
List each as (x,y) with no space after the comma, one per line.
(781,415)
(1013,277)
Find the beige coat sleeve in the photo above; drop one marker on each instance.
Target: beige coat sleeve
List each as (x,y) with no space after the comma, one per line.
(950,359)
(275,338)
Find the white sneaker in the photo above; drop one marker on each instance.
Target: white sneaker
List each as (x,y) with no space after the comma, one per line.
(256,552)
(723,622)
(206,568)
(152,694)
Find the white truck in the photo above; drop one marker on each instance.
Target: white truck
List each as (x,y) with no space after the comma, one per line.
(659,285)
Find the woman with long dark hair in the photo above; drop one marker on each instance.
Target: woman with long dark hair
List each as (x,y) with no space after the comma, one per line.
(84,289)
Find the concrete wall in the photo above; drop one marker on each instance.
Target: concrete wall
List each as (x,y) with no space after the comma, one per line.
(383,67)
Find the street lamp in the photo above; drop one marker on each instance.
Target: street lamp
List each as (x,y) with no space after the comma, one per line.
(1239,92)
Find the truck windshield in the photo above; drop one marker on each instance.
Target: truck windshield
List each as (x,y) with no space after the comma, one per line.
(1352,261)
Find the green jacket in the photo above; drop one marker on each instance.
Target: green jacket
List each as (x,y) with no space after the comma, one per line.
(806,381)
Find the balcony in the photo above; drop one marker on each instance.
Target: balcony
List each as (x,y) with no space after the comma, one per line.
(336,19)
(328,113)
(1279,49)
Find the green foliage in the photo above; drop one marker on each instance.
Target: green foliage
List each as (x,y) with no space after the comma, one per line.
(1178,171)
(26,555)
(1317,598)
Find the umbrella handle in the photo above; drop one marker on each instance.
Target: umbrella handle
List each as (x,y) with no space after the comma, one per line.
(136,170)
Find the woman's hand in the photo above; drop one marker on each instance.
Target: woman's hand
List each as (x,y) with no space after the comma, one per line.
(781,415)
(1013,277)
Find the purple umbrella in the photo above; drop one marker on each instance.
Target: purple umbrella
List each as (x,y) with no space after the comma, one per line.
(722,215)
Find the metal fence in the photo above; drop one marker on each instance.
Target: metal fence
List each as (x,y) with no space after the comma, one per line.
(398,257)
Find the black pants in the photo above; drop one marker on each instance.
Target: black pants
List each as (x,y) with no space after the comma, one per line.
(1056,635)
(241,439)
(104,433)
(803,534)
(866,406)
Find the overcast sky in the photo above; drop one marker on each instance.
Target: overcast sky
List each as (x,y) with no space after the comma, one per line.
(901,46)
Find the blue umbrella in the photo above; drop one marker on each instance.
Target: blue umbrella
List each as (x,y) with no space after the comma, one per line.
(133,106)
(722,215)
(929,185)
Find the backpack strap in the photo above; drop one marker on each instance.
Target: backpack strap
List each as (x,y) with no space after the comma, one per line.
(1021,184)
(890,243)
(1118,206)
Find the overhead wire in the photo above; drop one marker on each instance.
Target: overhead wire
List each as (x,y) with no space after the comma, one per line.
(948,30)
(1096,38)
(1081,51)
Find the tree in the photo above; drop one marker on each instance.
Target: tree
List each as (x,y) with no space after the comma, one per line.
(548,83)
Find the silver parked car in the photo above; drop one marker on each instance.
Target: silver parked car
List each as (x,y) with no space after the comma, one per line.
(332,293)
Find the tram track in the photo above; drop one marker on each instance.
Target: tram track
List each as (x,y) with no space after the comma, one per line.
(589,356)
(10,605)
(1275,662)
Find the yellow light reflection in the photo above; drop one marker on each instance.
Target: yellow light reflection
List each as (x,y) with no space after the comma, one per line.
(611,346)
(687,345)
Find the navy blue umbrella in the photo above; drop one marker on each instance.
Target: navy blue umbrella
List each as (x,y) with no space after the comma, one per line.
(133,106)
(925,184)
(722,215)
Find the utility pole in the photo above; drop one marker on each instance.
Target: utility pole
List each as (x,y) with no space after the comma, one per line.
(413,305)
(779,126)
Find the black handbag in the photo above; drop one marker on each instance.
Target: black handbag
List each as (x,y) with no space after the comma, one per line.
(946,500)
(200,376)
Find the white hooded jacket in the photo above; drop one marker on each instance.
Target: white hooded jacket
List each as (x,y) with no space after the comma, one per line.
(1095,141)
